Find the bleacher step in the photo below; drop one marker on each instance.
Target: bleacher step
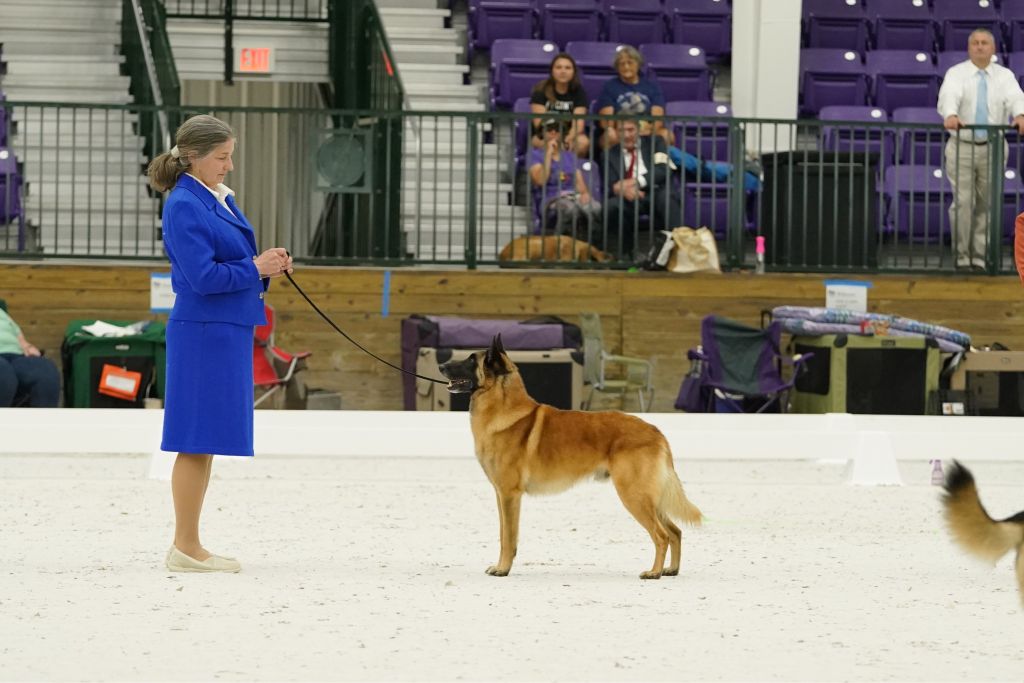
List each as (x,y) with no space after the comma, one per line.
(411,17)
(445,74)
(439,54)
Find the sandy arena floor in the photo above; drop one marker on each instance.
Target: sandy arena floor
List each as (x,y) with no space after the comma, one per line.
(373,569)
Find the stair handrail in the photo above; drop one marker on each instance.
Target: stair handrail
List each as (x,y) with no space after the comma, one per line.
(154,82)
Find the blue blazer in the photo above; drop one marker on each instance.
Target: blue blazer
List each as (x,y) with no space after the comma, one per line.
(212,270)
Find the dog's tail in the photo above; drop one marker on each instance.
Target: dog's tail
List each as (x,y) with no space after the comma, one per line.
(674,504)
(973,528)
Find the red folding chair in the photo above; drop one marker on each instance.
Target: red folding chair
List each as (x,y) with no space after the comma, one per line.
(272,366)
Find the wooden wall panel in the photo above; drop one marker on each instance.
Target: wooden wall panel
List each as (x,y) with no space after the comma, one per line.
(654,315)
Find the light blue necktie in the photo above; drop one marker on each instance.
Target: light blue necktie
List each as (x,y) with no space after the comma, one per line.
(981,113)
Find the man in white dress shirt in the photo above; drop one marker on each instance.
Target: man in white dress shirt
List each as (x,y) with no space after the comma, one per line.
(967,151)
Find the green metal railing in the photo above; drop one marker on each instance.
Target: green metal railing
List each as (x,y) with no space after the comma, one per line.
(276,10)
(392,187)
(149,62)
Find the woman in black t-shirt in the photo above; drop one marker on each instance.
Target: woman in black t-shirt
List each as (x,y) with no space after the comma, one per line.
(563,93)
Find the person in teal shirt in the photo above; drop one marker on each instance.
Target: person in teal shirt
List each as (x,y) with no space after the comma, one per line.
(25,375)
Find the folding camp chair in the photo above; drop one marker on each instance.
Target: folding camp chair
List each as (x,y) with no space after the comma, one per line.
(638,371)
(737,369)
(274,368)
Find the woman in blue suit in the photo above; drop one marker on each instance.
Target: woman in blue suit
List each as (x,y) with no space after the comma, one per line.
(219,280)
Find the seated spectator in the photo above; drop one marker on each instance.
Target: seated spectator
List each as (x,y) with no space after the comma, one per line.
(565,205)
(638,182)
(630,93)
(562,92)
(24,373)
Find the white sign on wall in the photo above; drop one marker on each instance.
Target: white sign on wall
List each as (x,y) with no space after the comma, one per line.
(161,296)
(847,295)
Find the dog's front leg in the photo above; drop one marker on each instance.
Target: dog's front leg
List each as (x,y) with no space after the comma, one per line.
(508,511)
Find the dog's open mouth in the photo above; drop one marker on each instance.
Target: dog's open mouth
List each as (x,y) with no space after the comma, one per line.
(460,386)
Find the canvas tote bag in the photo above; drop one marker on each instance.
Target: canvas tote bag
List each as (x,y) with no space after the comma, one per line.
(695,251)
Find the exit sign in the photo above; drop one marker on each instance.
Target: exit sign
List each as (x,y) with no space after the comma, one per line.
(255,60)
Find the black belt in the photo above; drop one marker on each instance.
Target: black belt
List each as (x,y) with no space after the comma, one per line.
(973,142)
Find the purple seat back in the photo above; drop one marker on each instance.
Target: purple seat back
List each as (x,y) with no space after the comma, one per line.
(902,78)
(703,129)
(903,25)
(516,66)
(565,20)
(1015,62)
(3,122)
(857,139)
(1013,15)
(829,77)
(10,186)
(920,146)
(682,71)
(634,21)
(594,60)
(491,20)
(958,18)
(835,24)
(704,23)
(706,205)
(917,201)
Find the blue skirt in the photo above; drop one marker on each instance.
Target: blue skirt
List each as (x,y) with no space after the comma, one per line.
(208,397)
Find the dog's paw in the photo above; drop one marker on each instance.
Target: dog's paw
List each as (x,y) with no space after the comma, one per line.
(494,570)
(651,575)
(670,572)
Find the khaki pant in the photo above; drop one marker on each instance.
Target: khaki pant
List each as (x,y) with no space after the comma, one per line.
(967,167)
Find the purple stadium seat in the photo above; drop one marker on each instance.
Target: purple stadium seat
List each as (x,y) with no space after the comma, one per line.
(836,24)
(917,200)
(634,22)
(681,71)
(920,145)
(1013,201)
(857,139)
(594,61)
(1013,15)
(829,77)
(707,205)
(1015,151)
(903,25)
(1015,62)
(516,66)
(902,78)
(565,20)
(702,129)
(704,23)
(10,192)
(490,20)
(957,18)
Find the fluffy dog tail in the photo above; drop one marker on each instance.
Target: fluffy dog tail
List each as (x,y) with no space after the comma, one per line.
(674,504)
(971,525)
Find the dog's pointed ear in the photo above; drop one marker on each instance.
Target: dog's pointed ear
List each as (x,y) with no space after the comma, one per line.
(495,357)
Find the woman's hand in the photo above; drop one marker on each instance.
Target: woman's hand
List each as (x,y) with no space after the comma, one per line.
(274,262)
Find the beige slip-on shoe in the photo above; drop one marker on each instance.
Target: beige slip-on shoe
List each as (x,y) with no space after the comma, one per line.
(178,561)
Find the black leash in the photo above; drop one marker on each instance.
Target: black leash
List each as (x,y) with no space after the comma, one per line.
(357,344)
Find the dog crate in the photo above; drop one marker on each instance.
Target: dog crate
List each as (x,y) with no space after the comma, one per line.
(554,377)
(867,375)
(536,334)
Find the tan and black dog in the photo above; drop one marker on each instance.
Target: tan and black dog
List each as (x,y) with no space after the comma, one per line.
(555,248)
(972,527)
(528,447)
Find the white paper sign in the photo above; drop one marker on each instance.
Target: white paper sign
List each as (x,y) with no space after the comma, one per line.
(847,295)
(161,296)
